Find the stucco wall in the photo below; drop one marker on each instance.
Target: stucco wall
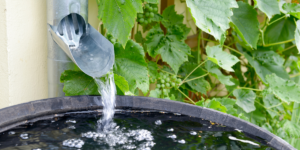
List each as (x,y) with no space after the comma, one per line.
(23,50)
(3,57)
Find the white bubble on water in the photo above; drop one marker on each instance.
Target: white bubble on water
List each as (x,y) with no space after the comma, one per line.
(11,132)
(71,121)
(129,147)
(24,136)
(193,133)
(182,141)
(77,143)
(170,130)
(143,135)
(173,136)
(158,122)
(72,127)
(125,139)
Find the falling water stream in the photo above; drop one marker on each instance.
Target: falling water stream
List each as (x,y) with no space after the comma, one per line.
(107,89)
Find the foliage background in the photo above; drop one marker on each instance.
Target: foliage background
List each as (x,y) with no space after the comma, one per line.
(244,59)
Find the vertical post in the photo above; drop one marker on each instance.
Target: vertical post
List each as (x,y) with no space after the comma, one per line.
(58,61)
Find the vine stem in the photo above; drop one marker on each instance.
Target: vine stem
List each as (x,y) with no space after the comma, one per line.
(223,45)
(169,73)
(288,48)
(199,49)
(267,108)
(294,75)
(278,43)
(276,20)
(187,97)
(245,88)
(193,71)
(275,105)
(195,78)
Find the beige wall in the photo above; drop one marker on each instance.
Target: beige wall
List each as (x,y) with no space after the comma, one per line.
(3,57)
(23,50)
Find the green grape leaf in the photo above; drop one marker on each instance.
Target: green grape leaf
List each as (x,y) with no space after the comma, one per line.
(269,7)
(152,1)
(152,69)
(286,90)
(216,105)
(130,64)
(155,93)
(292,9)
(279,31)
(181,31)
(174,23)
(121,84)
(137,4)
(245,23)
(221,58)
(257,116)
(213,69)
(224,105)
(170,17)
(172,51)
(245,99)
(297,35)
(242,116)
(292,130)
(199,85)
(139,38)
(228,103)
(100,4)
(154,39)
(212,16)
(78,83)
(231,88)
(266,62)
(118,17)
(270,101)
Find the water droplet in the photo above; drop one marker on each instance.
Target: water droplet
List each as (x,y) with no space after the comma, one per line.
(182,141)
(173,136)
(170,130)
(193,133)
(158,122)
(91,59)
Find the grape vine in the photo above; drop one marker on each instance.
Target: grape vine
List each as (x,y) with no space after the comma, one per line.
(244,61)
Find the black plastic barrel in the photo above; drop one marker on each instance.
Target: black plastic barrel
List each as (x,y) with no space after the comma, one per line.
(14,116)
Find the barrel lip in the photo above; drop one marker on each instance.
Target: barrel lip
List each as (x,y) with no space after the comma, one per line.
(16,115)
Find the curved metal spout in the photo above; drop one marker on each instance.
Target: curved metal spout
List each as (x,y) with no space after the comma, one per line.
(93,53)
(82,44)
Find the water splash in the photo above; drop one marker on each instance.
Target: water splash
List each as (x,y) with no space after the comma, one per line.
(107,89)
